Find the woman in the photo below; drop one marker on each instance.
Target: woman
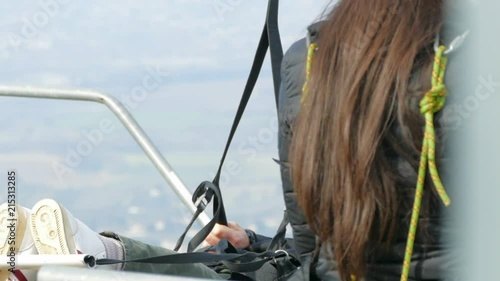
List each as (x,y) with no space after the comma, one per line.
(353,143)
(353,155)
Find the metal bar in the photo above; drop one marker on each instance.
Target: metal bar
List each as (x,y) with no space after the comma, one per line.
(62,273)
(37,261)
(127,120)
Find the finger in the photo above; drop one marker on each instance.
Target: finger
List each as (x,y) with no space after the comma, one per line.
(212,239)
(236,235)
(222,231)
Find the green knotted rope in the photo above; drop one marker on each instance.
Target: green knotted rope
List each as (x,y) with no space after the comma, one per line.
(432,102)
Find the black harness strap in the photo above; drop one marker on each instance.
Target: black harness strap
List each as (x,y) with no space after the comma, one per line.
(249,261)
(226,254)
(206,191)
(275,47)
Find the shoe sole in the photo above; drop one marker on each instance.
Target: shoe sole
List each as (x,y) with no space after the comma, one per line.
(21,217)
(51,229)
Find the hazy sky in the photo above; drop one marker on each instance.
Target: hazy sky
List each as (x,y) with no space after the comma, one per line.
(198,53)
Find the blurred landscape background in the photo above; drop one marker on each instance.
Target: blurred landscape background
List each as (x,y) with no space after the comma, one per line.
(196,56)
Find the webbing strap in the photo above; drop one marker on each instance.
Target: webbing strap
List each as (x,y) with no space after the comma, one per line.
(206,191)
(269,39)
(275,47)
(246,262)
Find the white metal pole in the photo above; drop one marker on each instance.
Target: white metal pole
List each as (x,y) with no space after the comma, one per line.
(62,273)
(127,120)
(37,261)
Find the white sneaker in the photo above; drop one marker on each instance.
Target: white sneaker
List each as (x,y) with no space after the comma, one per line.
(15,237)
(56,231)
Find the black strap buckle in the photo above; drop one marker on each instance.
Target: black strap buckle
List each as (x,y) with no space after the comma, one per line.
(203,195)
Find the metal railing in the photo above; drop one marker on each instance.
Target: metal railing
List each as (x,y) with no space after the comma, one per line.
(63,273)
(127,120)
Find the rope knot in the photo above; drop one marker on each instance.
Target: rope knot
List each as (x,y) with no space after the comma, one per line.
(434,100)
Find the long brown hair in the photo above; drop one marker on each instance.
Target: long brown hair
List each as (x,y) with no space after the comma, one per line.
(373,62)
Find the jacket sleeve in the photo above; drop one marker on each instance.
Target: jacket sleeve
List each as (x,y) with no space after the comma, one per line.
(293,76)
(292,80)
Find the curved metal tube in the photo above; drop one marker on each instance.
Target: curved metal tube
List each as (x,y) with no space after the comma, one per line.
(127,120)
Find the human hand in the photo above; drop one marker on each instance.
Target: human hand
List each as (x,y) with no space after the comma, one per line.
(233,233)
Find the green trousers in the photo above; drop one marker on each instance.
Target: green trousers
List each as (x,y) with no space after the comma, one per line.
(135,250)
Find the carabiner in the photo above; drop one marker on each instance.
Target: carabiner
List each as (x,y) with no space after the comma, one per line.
(454,45)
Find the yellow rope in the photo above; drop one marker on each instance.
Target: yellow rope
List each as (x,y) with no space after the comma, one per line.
(310,54)
(432,102)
